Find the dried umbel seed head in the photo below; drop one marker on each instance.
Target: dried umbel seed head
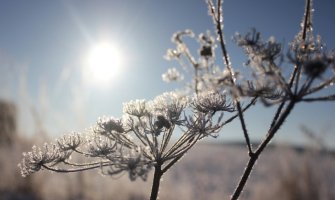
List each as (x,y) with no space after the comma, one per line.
(170,105)
(69,142)
(34,160)
(162,122)
(206,51)
(212,102)
(111,124)
(136,108)
(315,68)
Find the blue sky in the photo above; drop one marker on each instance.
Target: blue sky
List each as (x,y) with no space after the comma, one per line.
(43,45)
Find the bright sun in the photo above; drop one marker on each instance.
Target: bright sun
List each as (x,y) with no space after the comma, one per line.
(103,63)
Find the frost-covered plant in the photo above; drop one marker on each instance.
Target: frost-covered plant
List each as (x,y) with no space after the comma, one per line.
(141,140)
(312,70)
(156,134)
(205,74)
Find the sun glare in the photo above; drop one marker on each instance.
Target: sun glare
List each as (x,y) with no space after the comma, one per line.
(103,63)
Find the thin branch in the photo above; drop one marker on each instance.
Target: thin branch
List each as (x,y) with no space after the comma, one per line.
(254,157)
(184,149)
(324,98)
(252,102)
(231,71)
(178,157)
(233,79)
(307,24)
(83,164)
(82,153)
(222,43)
(326,83)
(307,19)
(307,84)
(276,127)
(297,81)
(166,139)
(244,128)
(168,166)
(280,108)
(196,78)
(72,170)
(180,142)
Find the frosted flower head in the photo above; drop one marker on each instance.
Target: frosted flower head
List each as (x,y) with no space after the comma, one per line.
(317,65)
(304,41)
(109,125)
(169,105)
(252,38)
(100,146)
(69,142)
(136,108)
(207,45)
(200,124)
(172,74)
(259,51)
(263,89)
(206,51)
(162,122)
(308,46)
(212,102)
(134,163)
(34,160)
(315,68)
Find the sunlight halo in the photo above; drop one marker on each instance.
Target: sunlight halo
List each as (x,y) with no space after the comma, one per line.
(103,63)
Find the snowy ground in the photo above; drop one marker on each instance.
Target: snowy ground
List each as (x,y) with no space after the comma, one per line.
(209,171)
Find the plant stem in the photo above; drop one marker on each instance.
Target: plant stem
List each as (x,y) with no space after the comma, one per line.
(307,19)
(196,79)
(231,71)
(244,128)
(253,158)
(155,184)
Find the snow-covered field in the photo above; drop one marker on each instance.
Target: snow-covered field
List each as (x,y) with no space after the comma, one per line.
(209,171)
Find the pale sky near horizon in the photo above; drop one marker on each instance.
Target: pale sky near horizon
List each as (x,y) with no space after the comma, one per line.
(44,46)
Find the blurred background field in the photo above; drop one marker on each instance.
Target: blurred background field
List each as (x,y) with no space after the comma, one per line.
(209,171)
